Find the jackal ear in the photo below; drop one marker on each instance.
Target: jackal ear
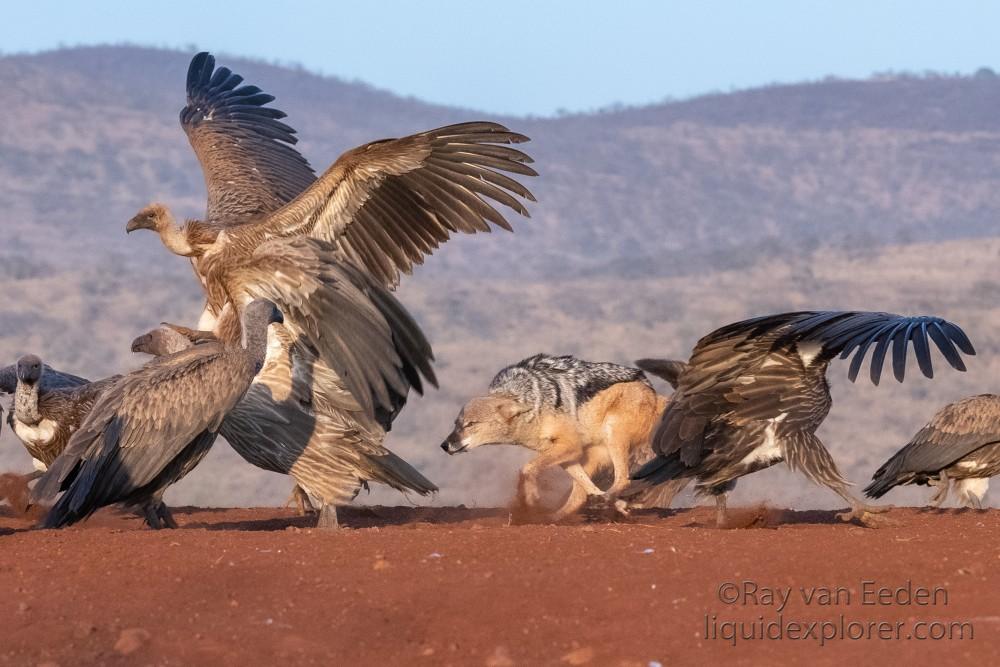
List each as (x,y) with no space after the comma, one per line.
(511,409)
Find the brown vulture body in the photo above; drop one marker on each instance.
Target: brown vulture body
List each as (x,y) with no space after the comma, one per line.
(754,392)
(959,447)
(48,406)
(325,250)
(152,426)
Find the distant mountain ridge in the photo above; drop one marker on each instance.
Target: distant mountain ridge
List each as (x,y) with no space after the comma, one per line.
(91,133)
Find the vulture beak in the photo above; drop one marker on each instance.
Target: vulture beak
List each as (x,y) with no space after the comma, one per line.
(140,344)
(139,222)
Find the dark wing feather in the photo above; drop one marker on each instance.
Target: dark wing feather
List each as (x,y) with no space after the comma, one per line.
(138,428)
(956,431)
(852,332)
(389,203)
(245,152)
(356,326)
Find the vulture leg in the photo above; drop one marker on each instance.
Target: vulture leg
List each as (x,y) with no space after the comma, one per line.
(721,494)
(971,492)
(328,517)
(943,485)
(806,453)
(720,510)
(303,505)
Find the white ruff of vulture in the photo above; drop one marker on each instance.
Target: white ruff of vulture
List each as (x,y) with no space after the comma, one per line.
(151,427)
(272,229)
(48,406)
(754,393)
(961,444)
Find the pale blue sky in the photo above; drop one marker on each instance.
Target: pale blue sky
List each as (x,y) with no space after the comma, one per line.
(524,56)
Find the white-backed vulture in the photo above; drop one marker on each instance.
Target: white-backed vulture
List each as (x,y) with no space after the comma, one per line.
(48,406)
(960,445)
(152,426)
(273,230)
(754,393)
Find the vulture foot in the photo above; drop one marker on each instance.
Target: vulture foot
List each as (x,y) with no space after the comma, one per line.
(973,502)
(158,516)
(864,514)
(328,518)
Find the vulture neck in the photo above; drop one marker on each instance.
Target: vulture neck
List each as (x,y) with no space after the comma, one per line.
(255,344)
(175,238)
(26,403)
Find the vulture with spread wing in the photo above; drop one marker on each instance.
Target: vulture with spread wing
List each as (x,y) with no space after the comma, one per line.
(754,393)
(325,250)
(154,425)
(961,444)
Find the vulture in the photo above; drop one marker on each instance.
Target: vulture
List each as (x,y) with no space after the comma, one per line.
(320,247)
(152,426)
(754,392)
(961,444)
(331,454)
(48,406)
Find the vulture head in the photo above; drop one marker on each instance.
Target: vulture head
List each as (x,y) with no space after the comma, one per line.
(160,342)
(29,369)
(257,318)
(260,313)
(157,218)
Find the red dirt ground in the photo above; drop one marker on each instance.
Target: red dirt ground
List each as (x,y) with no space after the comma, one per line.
(456,586)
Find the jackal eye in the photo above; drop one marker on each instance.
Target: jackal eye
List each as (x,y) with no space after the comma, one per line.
(469,423)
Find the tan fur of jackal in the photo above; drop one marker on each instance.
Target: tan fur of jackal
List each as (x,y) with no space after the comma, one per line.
(609,436)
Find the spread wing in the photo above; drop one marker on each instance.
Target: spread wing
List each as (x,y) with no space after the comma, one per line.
(772,367)
(246,153)
(51,380)
(389,203)
(138,427)
(356,326)
(956,431)
(853,332)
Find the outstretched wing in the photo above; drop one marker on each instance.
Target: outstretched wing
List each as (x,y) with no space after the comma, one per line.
(246,153)
(956,431)
(356,326)
(855,332)
(137,429)
(389,203)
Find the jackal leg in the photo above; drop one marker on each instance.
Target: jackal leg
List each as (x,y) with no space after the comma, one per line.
(577,497)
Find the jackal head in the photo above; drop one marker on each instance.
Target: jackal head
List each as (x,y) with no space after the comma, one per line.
(485,420)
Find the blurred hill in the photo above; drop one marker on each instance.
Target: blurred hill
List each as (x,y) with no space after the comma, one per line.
(654,225)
